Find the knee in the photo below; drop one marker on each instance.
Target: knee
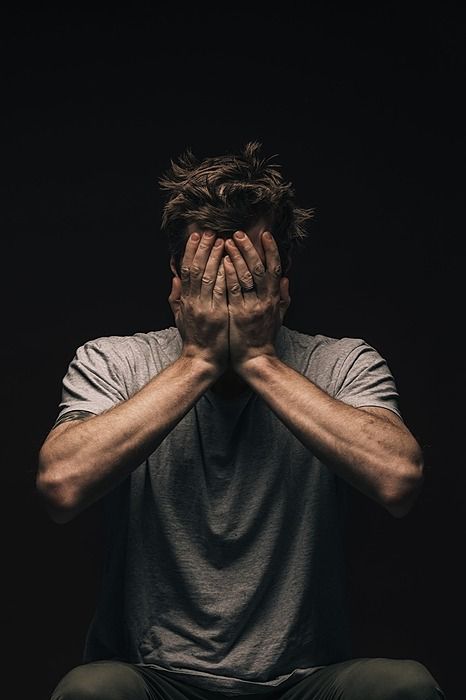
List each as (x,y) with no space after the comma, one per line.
(406,679)
(417,683)
(100,680)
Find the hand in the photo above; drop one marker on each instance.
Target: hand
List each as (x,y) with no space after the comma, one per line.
(198,301)
(255,315)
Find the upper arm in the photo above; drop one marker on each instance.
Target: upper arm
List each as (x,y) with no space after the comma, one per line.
(92,384)
(365,381)
(94,381)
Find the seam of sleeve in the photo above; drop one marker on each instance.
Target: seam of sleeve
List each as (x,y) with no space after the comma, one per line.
(78,412)
(380,404)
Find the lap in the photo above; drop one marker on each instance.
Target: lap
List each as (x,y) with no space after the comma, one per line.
(355,679)
(102,680)
(371,678)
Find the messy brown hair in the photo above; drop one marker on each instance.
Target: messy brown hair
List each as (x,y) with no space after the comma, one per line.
(227,193)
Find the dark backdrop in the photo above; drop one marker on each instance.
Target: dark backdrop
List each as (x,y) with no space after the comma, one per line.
(365,112)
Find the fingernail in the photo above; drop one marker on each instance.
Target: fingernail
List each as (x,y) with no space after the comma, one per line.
(195,236)
(268,236)
(227,259)
(239,234)
(218,243)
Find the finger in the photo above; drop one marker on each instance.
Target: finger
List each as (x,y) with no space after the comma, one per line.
(209,277)
(253,261)
(219,292)
(285,289)
(272,261)
(199,262)
(235,297)
(245,277)
(190,250)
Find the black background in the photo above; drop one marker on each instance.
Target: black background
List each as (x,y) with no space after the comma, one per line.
(364,110)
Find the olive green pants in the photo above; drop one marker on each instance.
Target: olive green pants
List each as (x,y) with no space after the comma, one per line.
(356,679)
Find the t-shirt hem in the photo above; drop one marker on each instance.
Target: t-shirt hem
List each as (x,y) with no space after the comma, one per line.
(234,686)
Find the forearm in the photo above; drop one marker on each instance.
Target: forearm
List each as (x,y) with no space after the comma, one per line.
(379,458)
(90,457)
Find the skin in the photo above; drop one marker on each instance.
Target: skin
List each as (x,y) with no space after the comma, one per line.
(228,339)
(370,447)
(230,384)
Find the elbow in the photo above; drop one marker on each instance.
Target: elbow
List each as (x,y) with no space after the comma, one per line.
(401,507)
(55,494)
(401,496)
(57,502)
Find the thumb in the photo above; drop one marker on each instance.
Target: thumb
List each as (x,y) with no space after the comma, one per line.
(285,290)
(175,294)
(285,298)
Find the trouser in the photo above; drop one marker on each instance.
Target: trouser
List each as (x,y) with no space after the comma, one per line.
(356,679)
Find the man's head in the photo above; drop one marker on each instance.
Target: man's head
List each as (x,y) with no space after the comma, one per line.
(227,193)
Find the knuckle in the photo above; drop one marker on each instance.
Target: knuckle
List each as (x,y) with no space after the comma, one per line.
(247,279)
(277,270)
(207,280)
(195,270)
(235,288)
(184,272)
(259,269)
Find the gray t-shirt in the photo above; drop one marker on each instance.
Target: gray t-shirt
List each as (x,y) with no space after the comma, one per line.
(225,563)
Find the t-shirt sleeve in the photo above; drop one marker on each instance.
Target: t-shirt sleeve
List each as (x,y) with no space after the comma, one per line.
(92,383)
(364,379)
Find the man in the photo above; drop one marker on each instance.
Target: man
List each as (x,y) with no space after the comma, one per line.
(222,449)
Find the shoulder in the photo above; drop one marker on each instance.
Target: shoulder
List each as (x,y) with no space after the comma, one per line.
(133,359)
(117,347)
(320,357)
(321,348)
(121,364)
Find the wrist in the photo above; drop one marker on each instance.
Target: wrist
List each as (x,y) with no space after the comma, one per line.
(202,364)
(253,363)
